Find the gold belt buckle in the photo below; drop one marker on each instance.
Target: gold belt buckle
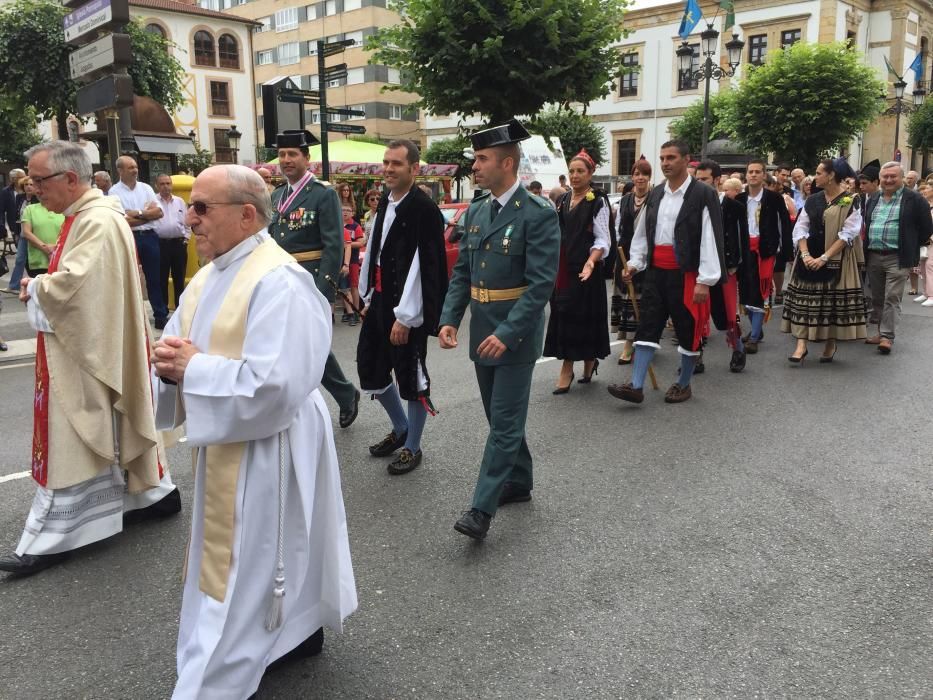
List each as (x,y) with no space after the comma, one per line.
(483,295)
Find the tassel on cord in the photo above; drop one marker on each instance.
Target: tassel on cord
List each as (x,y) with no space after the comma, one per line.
(275,615)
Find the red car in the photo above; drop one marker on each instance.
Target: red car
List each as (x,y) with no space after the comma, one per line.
(452,232)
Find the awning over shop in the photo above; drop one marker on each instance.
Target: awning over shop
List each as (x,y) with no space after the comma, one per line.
(163,144)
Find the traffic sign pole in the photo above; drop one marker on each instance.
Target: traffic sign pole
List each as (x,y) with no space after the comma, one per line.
(322,89)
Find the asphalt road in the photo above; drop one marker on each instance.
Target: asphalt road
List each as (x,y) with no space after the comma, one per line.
(769,538)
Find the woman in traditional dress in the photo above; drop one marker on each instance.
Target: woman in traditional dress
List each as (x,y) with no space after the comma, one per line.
(623,305)
(824,302)
(578,325)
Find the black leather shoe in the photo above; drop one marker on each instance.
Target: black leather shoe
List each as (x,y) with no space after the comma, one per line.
(626,392)
(473,523)
(312,646)
(389,444)
(737,363)
(699,367)
(168,506)
(160,323)
(29,564)
(513,493)
(406,461)
(348,416)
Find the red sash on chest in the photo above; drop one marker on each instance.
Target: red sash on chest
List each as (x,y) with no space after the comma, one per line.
(40,430)
(765,268)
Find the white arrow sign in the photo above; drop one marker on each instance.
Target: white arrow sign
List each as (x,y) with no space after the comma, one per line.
(87,18)
(94,56)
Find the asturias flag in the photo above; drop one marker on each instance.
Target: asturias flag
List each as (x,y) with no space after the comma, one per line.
(917,66)
(692,15)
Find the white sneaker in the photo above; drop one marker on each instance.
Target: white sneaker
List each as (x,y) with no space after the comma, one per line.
(928,302)
(920,298)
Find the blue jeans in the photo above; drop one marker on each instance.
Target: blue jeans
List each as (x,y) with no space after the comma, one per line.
(147,245)
(19,266)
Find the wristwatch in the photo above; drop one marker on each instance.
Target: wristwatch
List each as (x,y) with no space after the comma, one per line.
(824,258)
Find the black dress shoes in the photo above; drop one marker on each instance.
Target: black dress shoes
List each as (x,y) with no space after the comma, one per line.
(29,564)
(474,523)
(513,493)
(168,506)
(389,444)
(737,363)
(406,461)
(349,415)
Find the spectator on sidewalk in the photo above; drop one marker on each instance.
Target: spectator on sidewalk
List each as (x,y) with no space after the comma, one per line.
(41,229)
(11,201)
(103,182)
(173,236)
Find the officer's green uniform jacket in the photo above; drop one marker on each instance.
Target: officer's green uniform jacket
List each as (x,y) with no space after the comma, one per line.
(314,221)
(520,247)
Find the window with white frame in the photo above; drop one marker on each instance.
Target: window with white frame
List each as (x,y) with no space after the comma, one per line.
(266,25)
(352,5)
(355,76)
(313,82)
(316,117)
(288,53)
(356,37)
(394,77)
(312,12)
(395,111)
(356,107)
(286,19)
(264,58)
(330,7)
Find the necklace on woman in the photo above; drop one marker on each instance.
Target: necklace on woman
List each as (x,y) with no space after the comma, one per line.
(576,198)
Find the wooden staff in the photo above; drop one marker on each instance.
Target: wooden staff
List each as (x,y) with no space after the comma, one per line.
(343,295)
(631,295)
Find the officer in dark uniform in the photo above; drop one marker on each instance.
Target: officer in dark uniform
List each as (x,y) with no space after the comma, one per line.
(308,223)
(505,272)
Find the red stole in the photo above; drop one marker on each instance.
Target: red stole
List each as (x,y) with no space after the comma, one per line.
(765,269)
(40,430)
(665,259)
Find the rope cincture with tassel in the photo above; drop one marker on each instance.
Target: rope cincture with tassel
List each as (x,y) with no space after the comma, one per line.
(631,295)
(274,616)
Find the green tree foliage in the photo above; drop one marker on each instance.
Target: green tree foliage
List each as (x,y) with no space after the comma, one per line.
(34,62)
(501,58)
(574,130)
(806,101)
(920,128)
(689,126)
(194,164)
(450,151)
(17,132)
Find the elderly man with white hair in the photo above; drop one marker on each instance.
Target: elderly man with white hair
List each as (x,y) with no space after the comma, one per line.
(240,364)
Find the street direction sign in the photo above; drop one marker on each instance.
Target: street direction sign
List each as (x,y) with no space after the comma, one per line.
(346,112)
(297,96)
(331,71)
(111,91)
(336,47)
(346,128)
(109,50)
(96,15)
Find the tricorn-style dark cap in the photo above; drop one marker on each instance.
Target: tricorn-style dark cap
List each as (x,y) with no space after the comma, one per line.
(295,138)
(872,170)
(842,168)
(502,135)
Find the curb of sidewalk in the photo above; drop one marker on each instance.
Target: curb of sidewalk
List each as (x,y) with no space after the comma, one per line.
(20,350)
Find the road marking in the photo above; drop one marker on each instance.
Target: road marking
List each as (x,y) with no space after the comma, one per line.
(21,364)
(542,360)
(12,477)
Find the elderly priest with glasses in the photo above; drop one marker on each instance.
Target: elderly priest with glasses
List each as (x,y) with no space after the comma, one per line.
(240,364)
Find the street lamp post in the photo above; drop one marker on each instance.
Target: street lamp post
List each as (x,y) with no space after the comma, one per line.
(233,138)
(900,107)
(709,40)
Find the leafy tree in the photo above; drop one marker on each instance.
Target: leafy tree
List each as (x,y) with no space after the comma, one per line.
(689,126)
(920,128)
(806,101)
(17,132)
(450,151)
(501,58)
(194,164)
(574,130)
(34,62)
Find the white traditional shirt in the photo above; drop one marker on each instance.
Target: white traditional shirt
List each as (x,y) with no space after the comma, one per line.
(851,228)
(709,272)
(752,206)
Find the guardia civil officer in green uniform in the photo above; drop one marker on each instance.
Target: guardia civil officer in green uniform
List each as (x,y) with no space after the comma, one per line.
(308,223)
(505,272)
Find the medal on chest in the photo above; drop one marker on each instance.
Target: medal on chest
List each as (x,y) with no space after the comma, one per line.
(507,238)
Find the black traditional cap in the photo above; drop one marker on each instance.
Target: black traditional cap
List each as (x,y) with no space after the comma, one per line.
(842,168)
(872,170)
(295,138)
(502,135)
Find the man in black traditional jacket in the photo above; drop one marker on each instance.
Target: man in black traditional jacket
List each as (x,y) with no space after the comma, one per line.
(679,240)
(725,297)
(403,280)
(769,232)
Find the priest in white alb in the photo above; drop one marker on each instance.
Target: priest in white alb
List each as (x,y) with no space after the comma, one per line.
(240,364)
(96,456)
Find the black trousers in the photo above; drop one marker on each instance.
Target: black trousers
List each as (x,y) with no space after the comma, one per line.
(377,358)
(173,257)
(662,296)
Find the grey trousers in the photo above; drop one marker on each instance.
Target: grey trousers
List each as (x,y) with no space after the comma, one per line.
(887,282)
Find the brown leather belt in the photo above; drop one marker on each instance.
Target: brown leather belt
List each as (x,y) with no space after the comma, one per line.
(308,255)
(484,296)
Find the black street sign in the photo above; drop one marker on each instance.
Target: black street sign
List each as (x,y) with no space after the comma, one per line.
(299,100)
(112,91)
(346,112)
(331,71)
(335,47)
(298,96)
(346,128)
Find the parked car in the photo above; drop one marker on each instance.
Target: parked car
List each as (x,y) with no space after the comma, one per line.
(453,232)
